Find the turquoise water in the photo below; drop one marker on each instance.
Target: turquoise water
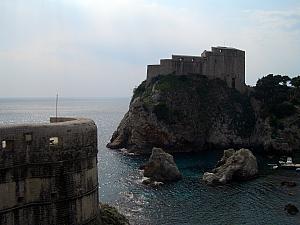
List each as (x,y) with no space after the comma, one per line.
(189,201)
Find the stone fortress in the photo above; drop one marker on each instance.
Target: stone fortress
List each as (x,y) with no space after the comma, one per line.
(225,63)
(48,173)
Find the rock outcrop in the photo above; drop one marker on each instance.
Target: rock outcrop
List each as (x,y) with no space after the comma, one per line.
(194,113)
(161,167)
(234,165)
(184,114)
(289,183)
(291,209)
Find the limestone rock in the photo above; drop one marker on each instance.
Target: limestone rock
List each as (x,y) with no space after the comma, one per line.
(161,167)
(289,183)
(194,113)
(234,165)
(291,209)
(184,114)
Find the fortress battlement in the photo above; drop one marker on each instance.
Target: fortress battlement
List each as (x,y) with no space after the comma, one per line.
(224,63)
(48,173)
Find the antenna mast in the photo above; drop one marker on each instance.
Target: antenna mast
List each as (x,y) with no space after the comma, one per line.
(56,106)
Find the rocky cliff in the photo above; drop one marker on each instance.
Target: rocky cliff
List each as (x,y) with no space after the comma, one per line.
(193,113)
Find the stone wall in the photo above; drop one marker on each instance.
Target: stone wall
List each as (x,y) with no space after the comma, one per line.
(227,64)
(48,173)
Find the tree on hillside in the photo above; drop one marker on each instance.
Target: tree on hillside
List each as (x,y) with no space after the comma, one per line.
(295,94)
(295,82)
(275,93)
(272,89)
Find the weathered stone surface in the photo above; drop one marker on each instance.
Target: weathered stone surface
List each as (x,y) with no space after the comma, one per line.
(161,167)
(291,209)
(47,171)
(234,165)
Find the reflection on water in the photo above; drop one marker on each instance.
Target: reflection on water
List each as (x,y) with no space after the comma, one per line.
(189,201)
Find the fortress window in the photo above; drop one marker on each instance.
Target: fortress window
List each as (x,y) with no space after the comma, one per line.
(53,141)
(20,199)
(233,83)
(28,137)
(7,144)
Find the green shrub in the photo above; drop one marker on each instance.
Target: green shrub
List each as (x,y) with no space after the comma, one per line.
(171,83)
(138,92)
(284,109)
(110,216)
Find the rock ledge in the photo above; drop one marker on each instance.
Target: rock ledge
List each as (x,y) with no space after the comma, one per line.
(234,165)
(161,167)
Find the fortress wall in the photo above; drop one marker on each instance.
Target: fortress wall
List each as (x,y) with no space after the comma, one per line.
(214,67)
(186,58)
(167,66)
(49,182)
(152,71)
(227,64)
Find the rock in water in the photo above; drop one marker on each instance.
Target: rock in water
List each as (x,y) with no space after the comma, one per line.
(289,183)
(161,167)
(234,165)
(291,209)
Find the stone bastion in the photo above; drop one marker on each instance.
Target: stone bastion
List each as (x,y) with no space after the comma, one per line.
(48,173)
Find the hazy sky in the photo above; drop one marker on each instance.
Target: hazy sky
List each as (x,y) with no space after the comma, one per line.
(100,48)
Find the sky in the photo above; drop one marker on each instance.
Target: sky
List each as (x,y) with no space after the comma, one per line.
(97,48)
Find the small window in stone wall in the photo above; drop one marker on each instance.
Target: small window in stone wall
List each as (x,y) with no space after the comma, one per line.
(233,82)
(28,137)
(20,199)
(7,144)
(53,141)
(3,144)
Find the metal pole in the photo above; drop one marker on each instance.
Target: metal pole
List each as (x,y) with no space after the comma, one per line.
(56,106)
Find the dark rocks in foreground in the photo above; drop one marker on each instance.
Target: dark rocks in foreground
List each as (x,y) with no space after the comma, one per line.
(161,167)
(291,209)
(234,165)
(109,215)
(289,183)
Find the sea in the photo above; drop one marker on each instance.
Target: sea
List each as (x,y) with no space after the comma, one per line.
(188,202)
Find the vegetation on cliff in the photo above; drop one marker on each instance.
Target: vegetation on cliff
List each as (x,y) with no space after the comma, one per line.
(193,113)
(280,95)
(173,96)
(109,215)
(280,98)
(185,113)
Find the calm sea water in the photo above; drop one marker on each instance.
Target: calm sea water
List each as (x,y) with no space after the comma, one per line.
(189,201)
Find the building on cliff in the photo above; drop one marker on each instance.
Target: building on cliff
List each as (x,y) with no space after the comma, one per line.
(225,63)
(48,173)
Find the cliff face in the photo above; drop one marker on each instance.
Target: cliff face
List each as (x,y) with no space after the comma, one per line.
(190,113)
